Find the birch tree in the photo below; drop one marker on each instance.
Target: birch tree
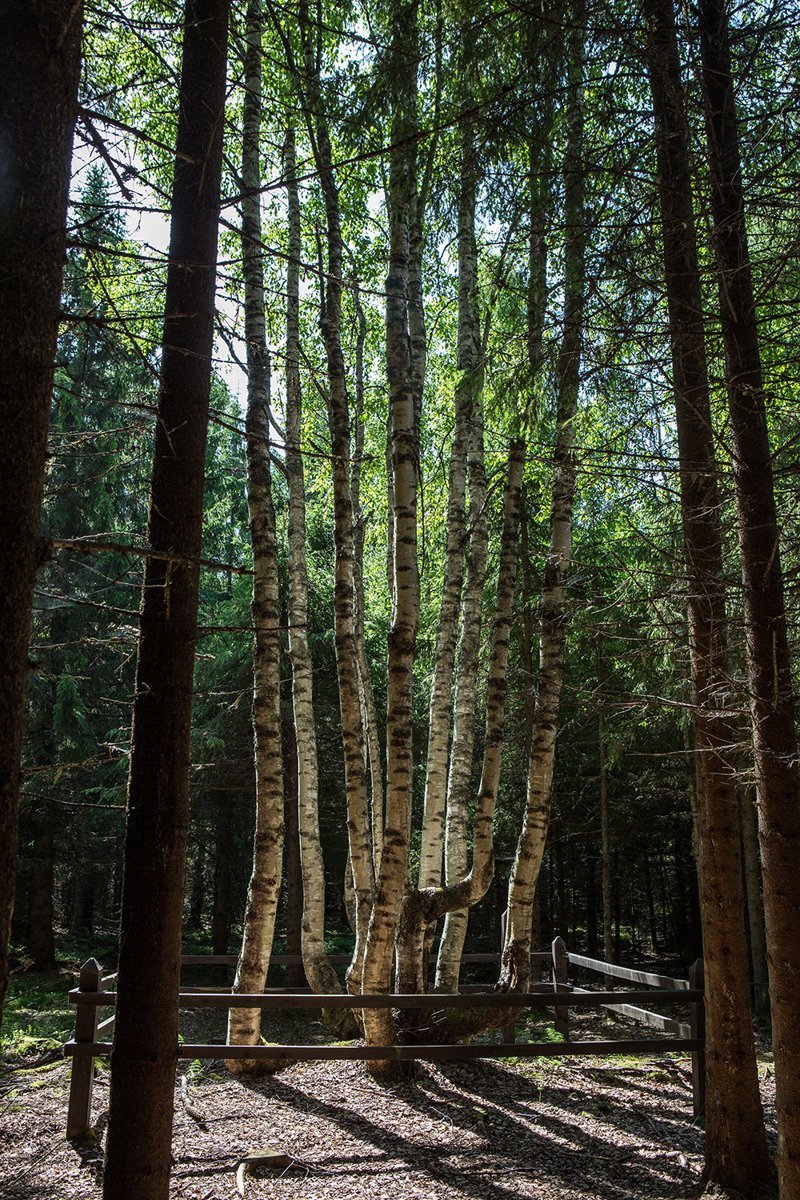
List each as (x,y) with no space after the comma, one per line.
(391,881)
(345,622)
(552,637)
(319,971)
(244,1024)
(459,781)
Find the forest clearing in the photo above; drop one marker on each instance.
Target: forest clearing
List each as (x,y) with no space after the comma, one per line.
(399,577)
(583,1129)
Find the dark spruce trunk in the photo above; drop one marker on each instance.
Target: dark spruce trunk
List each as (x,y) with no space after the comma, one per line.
(735,1145)
(768,661)
(223,838)
(82,918)
(144,1057)
(40,48)
(197,891)
(755,904)
(40,940)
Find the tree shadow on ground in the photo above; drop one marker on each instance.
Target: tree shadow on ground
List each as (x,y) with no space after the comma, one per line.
(548,1148)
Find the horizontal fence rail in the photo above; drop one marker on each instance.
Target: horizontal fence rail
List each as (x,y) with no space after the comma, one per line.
(94,992)
(435,1000)
(411,1053)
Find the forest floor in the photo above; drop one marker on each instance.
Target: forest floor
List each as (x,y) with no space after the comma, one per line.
(571,1128)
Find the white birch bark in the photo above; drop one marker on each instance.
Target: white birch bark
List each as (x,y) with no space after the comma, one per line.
(379,1024)
(467,355)
(319,971)
(358,817)
(552,639)
(459,784)
(424,907)
(244,1025)
(372,749)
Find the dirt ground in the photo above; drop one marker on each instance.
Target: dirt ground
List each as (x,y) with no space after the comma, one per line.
(576,1129)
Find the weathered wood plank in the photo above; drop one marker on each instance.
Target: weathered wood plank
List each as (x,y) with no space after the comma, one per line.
(560,972)
(79,1110)
(411,1053)
(628,973)
(211,960)
(544,999)
(654,1020)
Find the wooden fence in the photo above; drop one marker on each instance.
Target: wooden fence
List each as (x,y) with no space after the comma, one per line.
(95,991)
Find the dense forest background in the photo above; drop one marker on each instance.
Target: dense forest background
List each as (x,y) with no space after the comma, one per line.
(497,631)
(624,727)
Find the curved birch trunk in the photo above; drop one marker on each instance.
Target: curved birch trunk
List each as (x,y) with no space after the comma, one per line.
(415,934)
(515,971)
(244,1024)
(319,971)
(424,907)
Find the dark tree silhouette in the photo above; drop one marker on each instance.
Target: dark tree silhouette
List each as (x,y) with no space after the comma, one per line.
(40,51)
(144,1057)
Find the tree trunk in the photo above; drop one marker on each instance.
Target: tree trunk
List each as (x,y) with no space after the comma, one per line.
(528,632)
(223,836)
(319,971)
(552,642)
(144,1057)
(768,659)
(194,916)
(295,976)
(40,54)
(429,905)
(439,712)
(605,832)
(459,782)
(358,814)
(591,908)
(755,903)
(735,1145)
(41,941)
(651,907)
(82,916)
(369,718)
(244,1024)
(379,1023)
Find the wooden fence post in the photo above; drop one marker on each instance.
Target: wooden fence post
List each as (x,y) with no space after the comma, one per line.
(560,974)
(697,1021)
(79,1114)
(508,1034)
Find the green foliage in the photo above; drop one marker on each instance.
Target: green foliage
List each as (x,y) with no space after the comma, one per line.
(486,67)
(37,1015)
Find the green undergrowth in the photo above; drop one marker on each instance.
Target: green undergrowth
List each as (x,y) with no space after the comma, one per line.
(37,1014)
